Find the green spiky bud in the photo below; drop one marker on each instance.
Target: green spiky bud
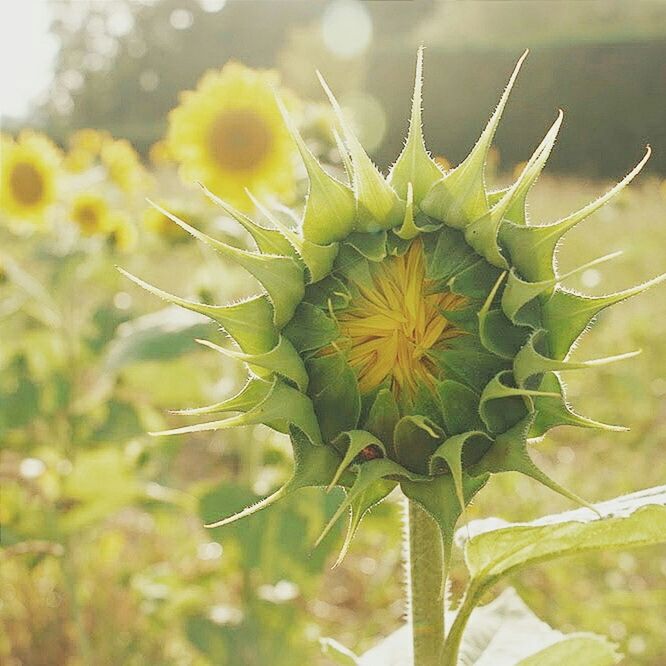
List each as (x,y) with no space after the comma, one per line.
(412,331)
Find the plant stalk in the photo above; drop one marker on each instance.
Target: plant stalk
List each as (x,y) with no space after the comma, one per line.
(426,578)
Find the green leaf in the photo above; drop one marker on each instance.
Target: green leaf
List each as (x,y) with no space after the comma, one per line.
(502,405)
(576,650)
(630,521)
(368,488)
(518,293)
(165,334)
(509,454)
(517,194)
(472,367)
(328,294)
(450,455)
(476,280)
(482,234)
(506,632)
(530,362)
(438,498)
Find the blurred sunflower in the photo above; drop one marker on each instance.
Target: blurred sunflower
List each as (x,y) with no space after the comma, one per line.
(229,135)
(159,224)
(123,165)
(90,213)
(29,168)
(123,235)
(84,147)
(159,154)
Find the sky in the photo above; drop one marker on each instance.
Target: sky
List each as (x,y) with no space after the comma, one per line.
(27,54)
(28,51)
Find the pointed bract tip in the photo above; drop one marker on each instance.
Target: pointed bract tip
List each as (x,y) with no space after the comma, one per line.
(210,345)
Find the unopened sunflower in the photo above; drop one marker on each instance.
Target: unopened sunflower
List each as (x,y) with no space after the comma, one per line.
(411,332)
(229,135)
(29,169)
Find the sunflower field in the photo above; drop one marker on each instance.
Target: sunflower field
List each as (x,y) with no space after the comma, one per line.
(260,348)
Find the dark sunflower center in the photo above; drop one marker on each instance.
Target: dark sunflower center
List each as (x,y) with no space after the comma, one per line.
(27,183)
(86,217)
(239,139)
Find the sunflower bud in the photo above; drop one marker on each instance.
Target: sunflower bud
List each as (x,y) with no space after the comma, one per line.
(412,331)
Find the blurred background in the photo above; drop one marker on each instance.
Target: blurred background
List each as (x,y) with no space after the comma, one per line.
(104,558)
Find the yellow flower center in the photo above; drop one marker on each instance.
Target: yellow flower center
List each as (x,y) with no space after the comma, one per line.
(27,183)
(394,323)
(239,139)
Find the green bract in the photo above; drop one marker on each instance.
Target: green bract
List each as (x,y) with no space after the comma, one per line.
(497,385)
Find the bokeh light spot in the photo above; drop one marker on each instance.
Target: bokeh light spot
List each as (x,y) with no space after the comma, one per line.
(346,28)
(181,19)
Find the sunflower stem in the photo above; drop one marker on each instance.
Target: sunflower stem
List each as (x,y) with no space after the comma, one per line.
(426,578)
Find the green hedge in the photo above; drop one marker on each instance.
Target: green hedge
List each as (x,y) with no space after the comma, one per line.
(612,96)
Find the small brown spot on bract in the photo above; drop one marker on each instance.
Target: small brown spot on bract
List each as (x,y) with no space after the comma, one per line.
(371,452)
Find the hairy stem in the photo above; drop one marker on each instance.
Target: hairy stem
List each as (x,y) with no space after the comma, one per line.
(425,571)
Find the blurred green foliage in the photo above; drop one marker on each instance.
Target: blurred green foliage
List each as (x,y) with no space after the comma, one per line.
(105,559)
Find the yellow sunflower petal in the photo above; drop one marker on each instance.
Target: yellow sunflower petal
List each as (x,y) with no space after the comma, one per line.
(229,135)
